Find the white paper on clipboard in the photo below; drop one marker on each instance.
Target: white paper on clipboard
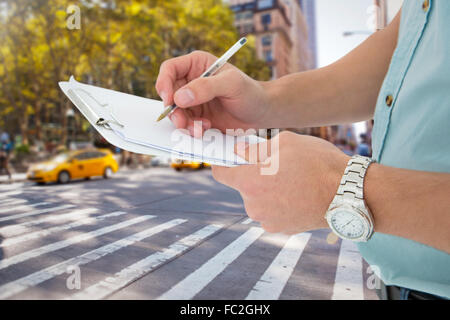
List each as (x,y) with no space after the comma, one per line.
(129,122)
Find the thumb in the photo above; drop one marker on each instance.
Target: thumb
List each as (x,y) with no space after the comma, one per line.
(242,150)
(203,90)
(253,153)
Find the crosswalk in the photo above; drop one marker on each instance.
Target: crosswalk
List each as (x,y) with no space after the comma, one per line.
(272,282)
(131,273)
(115,249)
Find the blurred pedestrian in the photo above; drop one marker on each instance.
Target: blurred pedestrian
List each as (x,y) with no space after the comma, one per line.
(345,147)
(363,147)
(4,163)
(4,137)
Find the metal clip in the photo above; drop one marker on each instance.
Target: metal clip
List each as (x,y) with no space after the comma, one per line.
(90,113)
(106,123)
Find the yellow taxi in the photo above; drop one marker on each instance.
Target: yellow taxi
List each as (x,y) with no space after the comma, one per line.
(178,165)
(74,165)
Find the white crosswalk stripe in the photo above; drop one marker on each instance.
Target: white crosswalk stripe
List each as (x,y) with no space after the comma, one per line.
(10,193)
(11,186)
(348,284)
(18,208)
(42,233)
(196,281)
(65,243)
(12,288)
(19,228)
(121,279)
(12,202)
(272,282)
(271,285)
(36,212)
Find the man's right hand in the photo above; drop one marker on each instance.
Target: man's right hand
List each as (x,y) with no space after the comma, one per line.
(228,100)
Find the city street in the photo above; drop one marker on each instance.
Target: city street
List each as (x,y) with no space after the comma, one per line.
(161,234)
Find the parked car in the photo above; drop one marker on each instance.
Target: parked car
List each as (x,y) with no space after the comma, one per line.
(178,165)
(160,161)
(80,164)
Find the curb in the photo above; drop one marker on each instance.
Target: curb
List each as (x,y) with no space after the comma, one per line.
(13,180)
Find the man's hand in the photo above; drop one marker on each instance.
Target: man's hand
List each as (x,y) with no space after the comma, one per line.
(228,100)
(296,198)
(405,203)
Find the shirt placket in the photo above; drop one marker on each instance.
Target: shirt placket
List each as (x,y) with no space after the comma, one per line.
(400,63)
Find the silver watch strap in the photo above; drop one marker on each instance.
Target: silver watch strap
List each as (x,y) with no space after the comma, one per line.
(352,182)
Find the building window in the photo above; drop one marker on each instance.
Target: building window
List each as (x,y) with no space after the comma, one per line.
(266,40)
(248,15)
(248,28)
(268,55)
(264,4)
(266,19)
(272,74)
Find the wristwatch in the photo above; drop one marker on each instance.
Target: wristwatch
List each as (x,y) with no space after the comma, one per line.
(348,214)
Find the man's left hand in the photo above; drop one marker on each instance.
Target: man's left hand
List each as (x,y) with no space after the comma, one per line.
(295,198)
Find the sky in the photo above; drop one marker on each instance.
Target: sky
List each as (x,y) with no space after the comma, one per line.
(334,17)
(337,16)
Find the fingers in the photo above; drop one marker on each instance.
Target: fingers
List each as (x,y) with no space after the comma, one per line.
(169,72)
(242,178)
(195,125)
(173,70)
(226,84)
(246,178)
(179,118)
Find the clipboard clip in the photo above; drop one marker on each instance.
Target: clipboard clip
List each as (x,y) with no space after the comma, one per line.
(89,113)
(106,123)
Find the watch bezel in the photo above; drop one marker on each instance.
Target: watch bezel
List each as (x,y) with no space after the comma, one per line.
(355,210)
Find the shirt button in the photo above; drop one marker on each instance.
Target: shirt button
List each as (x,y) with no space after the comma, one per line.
(389,100)
(426,5)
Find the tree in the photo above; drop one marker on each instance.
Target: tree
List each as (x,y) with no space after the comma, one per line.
(120,45)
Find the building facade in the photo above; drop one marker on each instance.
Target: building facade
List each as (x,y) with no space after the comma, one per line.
(281,33)
(308,8)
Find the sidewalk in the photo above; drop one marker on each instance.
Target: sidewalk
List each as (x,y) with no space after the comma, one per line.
(20,177)
(16,177)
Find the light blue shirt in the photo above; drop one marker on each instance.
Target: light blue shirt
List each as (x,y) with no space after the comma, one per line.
(414,133)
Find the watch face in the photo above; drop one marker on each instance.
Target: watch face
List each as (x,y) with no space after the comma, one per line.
(348,224)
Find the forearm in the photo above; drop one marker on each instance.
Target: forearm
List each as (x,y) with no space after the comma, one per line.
(343,92)
(410,204)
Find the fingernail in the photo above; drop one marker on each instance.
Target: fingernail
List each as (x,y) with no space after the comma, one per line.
(173,117)
(185,96)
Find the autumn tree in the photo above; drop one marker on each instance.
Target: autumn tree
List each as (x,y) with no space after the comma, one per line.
(120,45)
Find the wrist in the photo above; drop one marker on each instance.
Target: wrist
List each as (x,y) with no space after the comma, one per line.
(272,101)
(375,190)
(285,103)
(332,180)
(348,214)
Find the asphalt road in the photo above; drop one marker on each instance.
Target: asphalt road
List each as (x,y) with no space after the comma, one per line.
(160,234)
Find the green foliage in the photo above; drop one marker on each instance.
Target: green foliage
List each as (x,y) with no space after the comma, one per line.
(22,149)
(120,45)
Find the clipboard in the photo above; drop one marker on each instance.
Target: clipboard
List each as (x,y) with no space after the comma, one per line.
(128,122)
